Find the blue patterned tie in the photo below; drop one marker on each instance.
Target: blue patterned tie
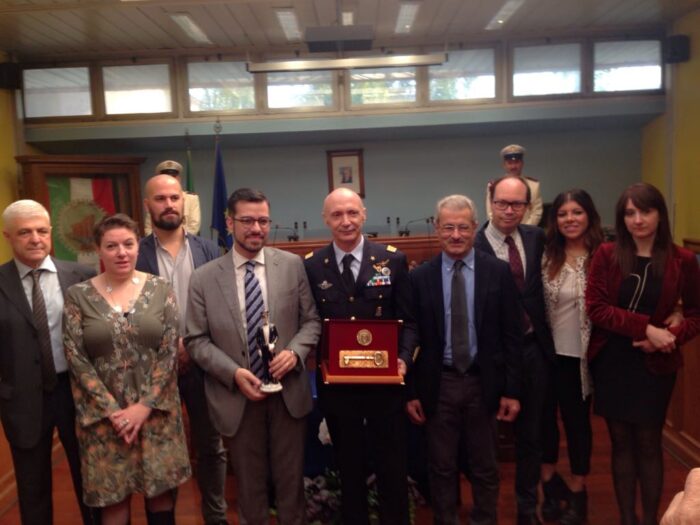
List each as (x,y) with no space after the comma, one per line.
(253,314)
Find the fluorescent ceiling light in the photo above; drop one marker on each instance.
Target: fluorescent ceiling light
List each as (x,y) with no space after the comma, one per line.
(190,28)
(289,23)
(347,63)
(504,14)
(348,18)
(406,17)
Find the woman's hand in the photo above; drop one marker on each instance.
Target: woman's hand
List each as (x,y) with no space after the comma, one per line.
(661,338)
(128,421)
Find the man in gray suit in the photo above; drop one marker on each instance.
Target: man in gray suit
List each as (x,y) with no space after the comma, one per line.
(227,297)
(35,395)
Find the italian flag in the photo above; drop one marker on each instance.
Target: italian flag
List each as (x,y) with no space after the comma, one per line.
(76,204)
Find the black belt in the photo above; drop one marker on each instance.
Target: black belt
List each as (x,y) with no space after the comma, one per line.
(473,370)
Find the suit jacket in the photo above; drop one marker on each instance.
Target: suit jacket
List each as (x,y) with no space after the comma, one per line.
(217,340)
(497,319)
(390,301)
(681,280)
(203,251)
(21,391)
(532,296)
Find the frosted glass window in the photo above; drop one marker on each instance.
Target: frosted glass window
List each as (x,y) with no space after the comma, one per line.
(137,89)
(57,92)
(466,75)
(383,85)
(627,66)
(547,70)
(220,86)
(303,89)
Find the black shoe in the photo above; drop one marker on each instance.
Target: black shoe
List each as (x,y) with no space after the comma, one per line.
(576,510)
(556,493)
(528,519)
(166,517)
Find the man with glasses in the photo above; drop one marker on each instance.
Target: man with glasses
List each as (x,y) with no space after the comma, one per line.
(521,246)
(467,373)
(229,301)
(513,161)
(354,278)
(173,253)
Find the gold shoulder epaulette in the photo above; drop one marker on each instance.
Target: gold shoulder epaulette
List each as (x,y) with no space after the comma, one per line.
(532,179)
(390,248)
(309,255)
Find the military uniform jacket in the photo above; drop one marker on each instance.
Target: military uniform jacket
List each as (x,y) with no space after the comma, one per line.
(379,294)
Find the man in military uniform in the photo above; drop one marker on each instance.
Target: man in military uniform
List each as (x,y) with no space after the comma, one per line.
(353,277)
(513,161)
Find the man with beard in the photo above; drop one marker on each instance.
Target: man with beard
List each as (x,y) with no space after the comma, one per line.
(173,254)
(191,215)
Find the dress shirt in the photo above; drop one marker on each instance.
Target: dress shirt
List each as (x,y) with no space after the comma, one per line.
(497,240)
(53,298)
(177,271)
(356,257)
(239,263)
(468,271)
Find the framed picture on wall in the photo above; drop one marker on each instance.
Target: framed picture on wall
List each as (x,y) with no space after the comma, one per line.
(345,170)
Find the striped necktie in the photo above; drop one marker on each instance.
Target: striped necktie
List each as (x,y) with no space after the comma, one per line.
(254,306)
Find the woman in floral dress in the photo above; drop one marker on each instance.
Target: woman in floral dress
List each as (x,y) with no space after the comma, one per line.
(120,339)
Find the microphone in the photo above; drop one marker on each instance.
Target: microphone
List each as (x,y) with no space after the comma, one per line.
(292,237)
(406,232)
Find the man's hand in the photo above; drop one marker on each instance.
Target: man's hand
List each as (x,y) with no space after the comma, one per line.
(685,507)
(414,409)
(282,363)
(402,367)
(184,361)
(249,384)
(508,410)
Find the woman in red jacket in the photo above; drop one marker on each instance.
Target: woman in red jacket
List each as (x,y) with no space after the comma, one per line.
(633,287)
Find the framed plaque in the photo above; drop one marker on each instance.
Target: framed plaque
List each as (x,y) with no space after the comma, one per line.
(360,351)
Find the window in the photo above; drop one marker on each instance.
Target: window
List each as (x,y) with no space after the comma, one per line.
(466,75)
(383,85)
(137,89)
(547,70)
(220,86)
(627,66)
(57,92)
(303,89)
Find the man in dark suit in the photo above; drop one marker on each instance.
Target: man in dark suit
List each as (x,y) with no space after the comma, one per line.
(467,373)
(35,394)
(353,277)
(173,253)
(522,246)
(228,302)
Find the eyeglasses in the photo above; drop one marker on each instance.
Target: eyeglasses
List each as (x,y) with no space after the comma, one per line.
(463,229)
(248,222)
(503,205)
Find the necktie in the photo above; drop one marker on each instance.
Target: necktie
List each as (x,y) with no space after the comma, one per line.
(348,277)
(253,313)
(41,321)
(459,320)
(516,268)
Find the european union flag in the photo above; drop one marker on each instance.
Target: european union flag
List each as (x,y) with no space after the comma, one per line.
(220,199)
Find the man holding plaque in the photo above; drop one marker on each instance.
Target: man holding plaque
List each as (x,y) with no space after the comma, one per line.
(230,300)
(467,373)
(355,278)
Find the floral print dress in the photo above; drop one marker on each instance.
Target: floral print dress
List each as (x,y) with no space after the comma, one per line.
(117,359)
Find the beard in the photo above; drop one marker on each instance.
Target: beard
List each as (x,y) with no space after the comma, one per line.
(168,224)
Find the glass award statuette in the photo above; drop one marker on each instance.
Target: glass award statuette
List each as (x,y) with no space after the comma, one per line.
(266,338)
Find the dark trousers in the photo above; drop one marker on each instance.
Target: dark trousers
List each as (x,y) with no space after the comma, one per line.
(33,468)
(208,446)
(528,427)
(462,421)
(387,435)
(565,394)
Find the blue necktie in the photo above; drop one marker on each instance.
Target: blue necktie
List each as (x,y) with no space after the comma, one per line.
(254,306)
